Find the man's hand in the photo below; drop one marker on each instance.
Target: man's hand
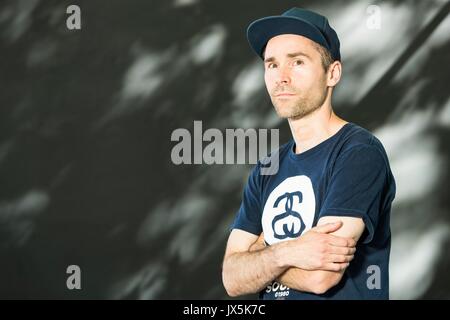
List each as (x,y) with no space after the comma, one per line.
(259,244)
(319,250)
(320,281)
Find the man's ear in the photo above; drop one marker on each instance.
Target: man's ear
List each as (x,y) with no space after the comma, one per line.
(334,73)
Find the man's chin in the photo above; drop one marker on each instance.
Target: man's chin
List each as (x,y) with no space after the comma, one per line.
(286,113)
(294,113)
(289,116)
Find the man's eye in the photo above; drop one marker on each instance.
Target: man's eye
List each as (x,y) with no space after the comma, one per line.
(271,66)
(298,62)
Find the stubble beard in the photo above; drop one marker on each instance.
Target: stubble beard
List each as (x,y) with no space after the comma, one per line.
(301,106)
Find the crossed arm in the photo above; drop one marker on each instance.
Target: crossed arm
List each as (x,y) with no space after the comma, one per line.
(314,262)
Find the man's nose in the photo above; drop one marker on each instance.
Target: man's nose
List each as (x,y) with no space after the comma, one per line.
(283,76)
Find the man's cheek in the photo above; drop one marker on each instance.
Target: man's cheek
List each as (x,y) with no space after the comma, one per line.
(270,89)
(268,84)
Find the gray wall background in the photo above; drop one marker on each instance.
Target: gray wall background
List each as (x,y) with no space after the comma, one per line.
(86,117)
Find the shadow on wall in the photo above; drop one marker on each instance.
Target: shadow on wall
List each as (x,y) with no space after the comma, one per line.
(87,116)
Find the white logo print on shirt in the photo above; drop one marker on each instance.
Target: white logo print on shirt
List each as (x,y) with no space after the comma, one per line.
(289,210)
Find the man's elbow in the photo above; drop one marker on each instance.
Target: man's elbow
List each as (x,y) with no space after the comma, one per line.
(324,281)
(230,289)
(232,292)
(233,288)
(321,288)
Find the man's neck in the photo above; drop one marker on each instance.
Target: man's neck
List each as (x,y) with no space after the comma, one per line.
(315,128)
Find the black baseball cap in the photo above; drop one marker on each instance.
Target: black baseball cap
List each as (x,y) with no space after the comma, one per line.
(294,21)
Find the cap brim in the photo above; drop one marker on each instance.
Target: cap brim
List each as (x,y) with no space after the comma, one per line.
(261,31)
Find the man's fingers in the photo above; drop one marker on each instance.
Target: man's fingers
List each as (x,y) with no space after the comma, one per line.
(341,250)
(328,227)
(340,258)
(261,237)
(341,242)
(258,244)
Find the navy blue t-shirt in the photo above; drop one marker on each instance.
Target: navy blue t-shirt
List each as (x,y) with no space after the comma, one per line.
(346,175)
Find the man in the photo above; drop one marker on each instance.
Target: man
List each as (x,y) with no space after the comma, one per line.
(319,227)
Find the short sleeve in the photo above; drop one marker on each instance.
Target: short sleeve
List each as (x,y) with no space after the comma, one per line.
(248,217)
(357,187)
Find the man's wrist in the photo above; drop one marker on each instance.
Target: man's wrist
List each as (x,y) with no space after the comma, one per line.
(281,254)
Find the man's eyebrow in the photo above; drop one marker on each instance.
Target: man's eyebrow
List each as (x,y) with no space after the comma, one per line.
(271,59)
(299,53)
(289,55)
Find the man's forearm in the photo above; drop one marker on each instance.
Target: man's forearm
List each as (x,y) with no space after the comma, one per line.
(314,281)
(250,272)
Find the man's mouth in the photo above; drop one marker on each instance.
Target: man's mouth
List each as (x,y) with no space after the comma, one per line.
(284,95)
